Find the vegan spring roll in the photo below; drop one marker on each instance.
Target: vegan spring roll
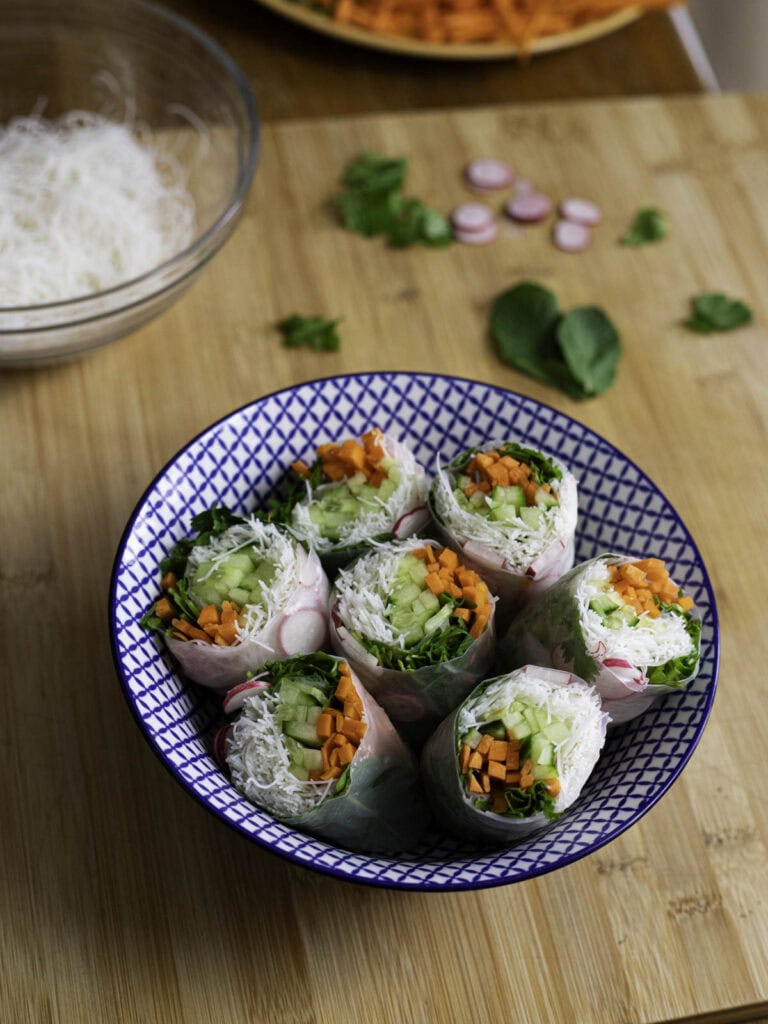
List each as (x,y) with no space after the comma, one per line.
(417,627)
(241,593)
(618,622)
(514,755)
(312,748)
(511,513)
(354,493)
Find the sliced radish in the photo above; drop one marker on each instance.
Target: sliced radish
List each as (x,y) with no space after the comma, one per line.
(489,174)
(546,560)
(411,522)
(571,237)
(219,746)
(477,237)
(549,675)
(581,211)
(529,207)
(483,555)
(235,698)
(302,631)
(472,217)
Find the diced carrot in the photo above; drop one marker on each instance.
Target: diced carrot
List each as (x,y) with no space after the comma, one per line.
(464,614)
(165,609)
(485,782)
(324,726)
(448,558)
(169,580)
(474,785)
(498,803)
(354,730)
(435,583)
(512,778)
(484,745)
(210,613)
(498,750)
(346,753)
(496,770)
(301,468)
(553,787)
(189,631)
(512,759)
(464,755)
(475,760)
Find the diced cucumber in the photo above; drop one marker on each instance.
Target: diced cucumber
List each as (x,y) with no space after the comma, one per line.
(513,495)
(531,517)
(239,596)
(556,731)
(603,604)
(521,729)
(478,499)
(544,771)
(512,719)
(503,514)
(542,751)
(532,719)
(472,738)
(438,621)
(302,774)
(313,714)
(545,499)
(304,732)
(429,602)
(495,729)
(405,593)
(313,759)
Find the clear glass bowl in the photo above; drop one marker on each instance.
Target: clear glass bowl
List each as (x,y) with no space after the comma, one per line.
(134,61)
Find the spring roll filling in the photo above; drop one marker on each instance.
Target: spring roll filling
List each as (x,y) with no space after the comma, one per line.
(635,612)
(527,747)
(513,500)
(412,604)
(356,491)
(293,744)
(231,586)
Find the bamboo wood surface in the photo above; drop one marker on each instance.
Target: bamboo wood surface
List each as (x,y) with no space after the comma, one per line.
(298,73)
(120,898)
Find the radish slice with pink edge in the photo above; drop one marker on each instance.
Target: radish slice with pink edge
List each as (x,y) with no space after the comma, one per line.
(477,237)
(235,698)
(219,746)
(489,174)
(472,217)
(411,522)
(581,211)
(529,207)
(546,560)
(483,555)
(571,237)
(302,631)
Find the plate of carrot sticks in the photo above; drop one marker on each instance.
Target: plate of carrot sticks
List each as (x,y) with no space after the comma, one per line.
(465,29)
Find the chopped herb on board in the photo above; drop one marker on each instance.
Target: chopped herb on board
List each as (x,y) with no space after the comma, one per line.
(576,351)
(649,225)
(373,203)
(313,331)
(716,312)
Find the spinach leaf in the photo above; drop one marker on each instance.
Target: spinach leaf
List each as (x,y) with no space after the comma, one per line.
(576,351)
(314,331)
(714,311)
(591,348)
(648,225)
(370,173)
(676,670)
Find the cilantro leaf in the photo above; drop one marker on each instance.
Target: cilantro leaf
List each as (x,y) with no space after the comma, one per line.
(649,225)
(313,331)
(373,203)
(714,311)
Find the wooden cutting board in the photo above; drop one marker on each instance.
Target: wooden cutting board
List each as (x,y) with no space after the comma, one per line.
(120,898)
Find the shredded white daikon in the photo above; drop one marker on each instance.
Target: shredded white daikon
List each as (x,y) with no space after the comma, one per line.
(84,206)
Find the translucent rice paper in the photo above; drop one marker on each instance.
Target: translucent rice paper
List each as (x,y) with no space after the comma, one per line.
(383,809)
(403,514)
(417,701)
(294,619)
(515,562)
(553,631)
(563,695)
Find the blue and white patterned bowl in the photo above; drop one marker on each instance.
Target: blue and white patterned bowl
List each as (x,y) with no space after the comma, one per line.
(237,461)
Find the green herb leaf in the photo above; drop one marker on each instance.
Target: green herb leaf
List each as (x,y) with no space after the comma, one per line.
(313,331)
(433,649)
(576,351)
(206,524)
(674,671)
(714,311)
(524,803)
(591,348)
(373,204)
(649,225)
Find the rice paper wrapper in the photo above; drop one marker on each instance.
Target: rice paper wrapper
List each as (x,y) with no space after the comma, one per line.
(550,631)
(514,576)
(299,626)
(383,809)
(416,702)
(456,810)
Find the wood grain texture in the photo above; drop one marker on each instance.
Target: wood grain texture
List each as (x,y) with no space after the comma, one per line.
(120,898)
(298,73)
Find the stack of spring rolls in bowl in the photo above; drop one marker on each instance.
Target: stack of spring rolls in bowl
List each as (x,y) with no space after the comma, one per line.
(394,649)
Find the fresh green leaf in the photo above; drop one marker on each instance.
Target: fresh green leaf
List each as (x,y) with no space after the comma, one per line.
(206,524)
(714,311)
(649,225)
(575,351)
(373,203)
(523,320)
(314,331)
(591,348)
(676,670)
(536,799)
(434,649)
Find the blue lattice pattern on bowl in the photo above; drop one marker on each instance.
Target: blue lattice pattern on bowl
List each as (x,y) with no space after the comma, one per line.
(238,460)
